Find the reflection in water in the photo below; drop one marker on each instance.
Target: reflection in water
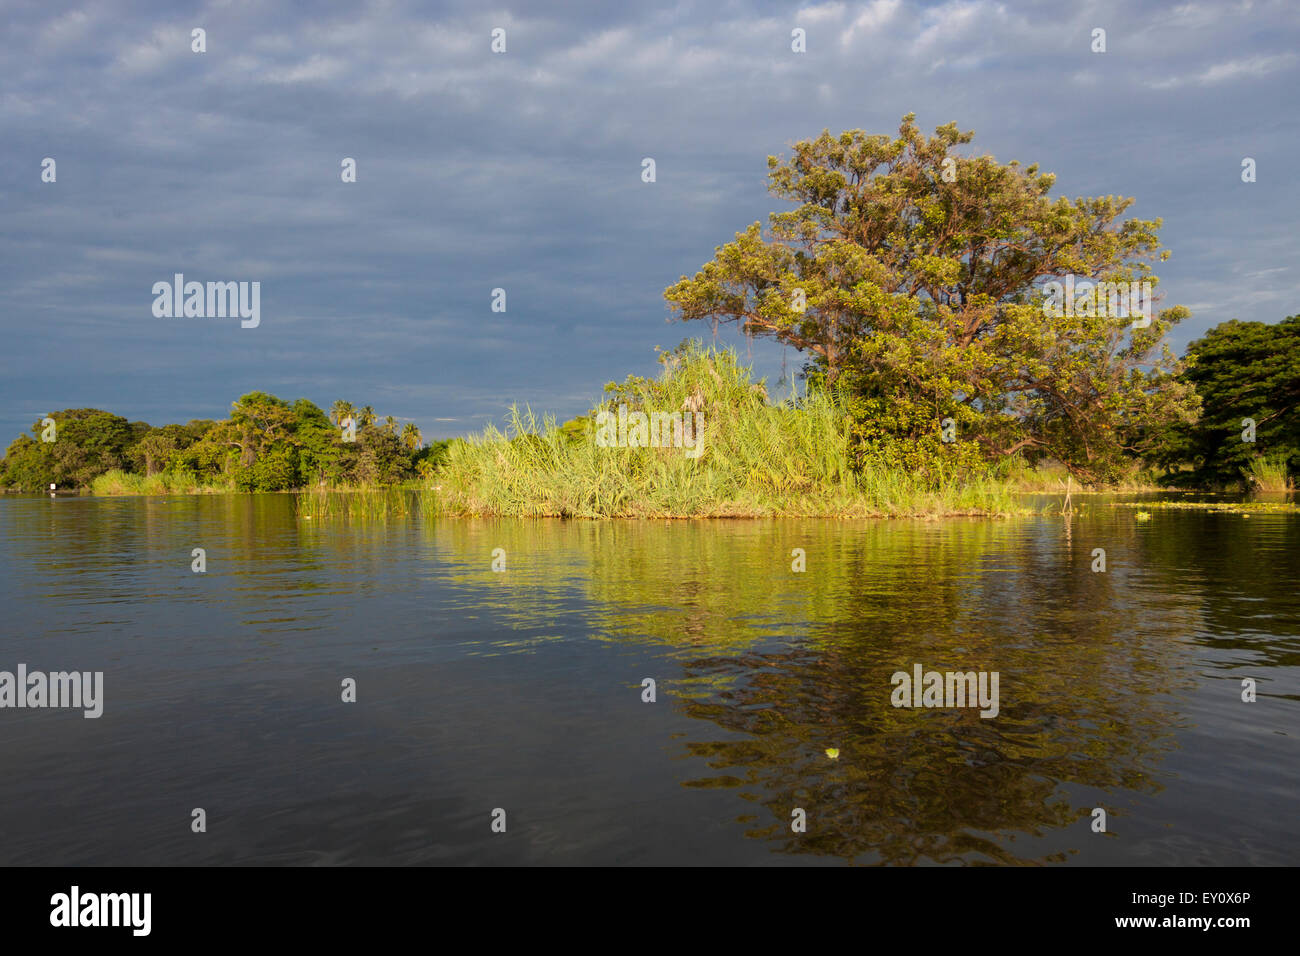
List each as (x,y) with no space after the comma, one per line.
(1081,690)
(1118,690)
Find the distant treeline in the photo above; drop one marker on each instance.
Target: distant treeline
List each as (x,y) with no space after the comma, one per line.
(957,326)
(1242,379)
(267,444)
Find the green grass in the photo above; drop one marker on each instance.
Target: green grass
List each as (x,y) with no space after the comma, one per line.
(358,504)
(759,458)
(1050,477)
(1269,474)
(118,482)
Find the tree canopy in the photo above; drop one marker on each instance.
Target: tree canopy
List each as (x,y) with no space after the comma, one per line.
(267,444)
(912,279)
(1248,377)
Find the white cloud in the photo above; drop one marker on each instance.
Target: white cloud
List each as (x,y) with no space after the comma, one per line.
(872,18)
(72,26)
(314,69)
(166,45)
(1246,67)
(1251,66)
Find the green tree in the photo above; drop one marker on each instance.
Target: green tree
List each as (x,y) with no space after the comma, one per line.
(411,436)
(88,442)
(319,444)
(340,411)
(381,459)
(912,279)
(259,420)
(577,429)
(430,457)
(209,455)
(1244,372)
(28,465)
(152,453)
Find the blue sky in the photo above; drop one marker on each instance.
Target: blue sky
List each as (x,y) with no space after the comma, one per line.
(522,171)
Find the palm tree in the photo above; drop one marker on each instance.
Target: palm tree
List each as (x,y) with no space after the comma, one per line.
(390,424)
(341,410)
(411,436)
(366,416)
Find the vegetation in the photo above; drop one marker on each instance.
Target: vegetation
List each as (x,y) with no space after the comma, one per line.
(944,372)
(267,444)
(119,482)
(366,504)
(1224,507)
(1244,372)
(1269,474)
(914,282)
(92,442)
(755,458)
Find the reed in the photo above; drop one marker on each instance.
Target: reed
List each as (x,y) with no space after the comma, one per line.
(758,458)
(1269,474)
(118,482)
(364,503)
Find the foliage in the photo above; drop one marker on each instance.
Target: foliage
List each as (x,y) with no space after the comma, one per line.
(1242,370)
(267,444)
(365,504)
(1269,474)
(88,442)
(756,458)
(922,276)
(381,458)
(118,482)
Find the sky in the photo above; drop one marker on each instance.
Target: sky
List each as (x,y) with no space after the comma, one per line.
(522,170)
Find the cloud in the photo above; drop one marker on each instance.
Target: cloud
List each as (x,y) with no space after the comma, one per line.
(522,170)
(165,46)
(1253,67)
(873,16)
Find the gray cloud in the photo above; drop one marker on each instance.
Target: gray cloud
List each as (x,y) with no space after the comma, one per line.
(522,171)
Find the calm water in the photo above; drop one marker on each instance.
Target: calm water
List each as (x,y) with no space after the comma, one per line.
(522,689)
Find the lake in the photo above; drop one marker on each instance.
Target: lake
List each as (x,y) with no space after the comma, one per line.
(522,689)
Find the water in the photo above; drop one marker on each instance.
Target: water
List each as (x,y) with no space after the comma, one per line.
(522,690)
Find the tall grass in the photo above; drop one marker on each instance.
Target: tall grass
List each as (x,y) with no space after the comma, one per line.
(118,482)
(1269,474)
(358,504)
(758,458)
(1050,477)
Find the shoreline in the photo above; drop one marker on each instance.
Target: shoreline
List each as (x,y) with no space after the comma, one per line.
(386,503)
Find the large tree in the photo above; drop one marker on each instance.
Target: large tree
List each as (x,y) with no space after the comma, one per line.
(158,446)
(86,443)
(913,280)
(1244,372)
(258,420)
